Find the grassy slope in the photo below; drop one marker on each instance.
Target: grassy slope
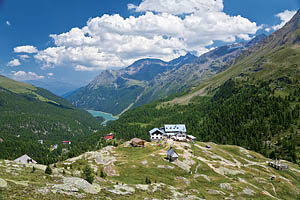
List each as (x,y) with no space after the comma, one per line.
(34,113)
(240,168)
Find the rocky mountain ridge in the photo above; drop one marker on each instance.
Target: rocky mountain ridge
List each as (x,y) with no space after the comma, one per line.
(147,80)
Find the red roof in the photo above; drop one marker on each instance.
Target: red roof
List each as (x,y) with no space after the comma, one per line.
(108,137)
(66,141)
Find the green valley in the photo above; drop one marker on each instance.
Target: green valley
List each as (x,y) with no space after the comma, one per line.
(29,114)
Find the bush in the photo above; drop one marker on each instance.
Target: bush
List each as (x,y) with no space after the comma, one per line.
(48,170)
(148,180)
(102,174)
(87,174)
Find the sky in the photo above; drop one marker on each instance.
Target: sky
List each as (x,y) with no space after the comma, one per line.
(72,41)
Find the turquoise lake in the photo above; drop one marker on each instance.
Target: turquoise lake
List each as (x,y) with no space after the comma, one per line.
(107,116)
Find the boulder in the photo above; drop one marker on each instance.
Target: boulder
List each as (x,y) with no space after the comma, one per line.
(3,183)
(225,186)
(81,184)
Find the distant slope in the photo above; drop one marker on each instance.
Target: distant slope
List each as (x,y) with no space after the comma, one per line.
(275,56)
(114,90)
(28,114)
(56,87)
(147,80)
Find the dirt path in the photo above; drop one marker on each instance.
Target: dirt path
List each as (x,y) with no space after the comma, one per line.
(130,106)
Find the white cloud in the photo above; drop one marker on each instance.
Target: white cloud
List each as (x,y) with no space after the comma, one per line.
(14,63)
(25,49)
(163,29)
(24,76)
(8,23)
(23,57)
(268,29)
(179,7)
(83,68)
(50,74)
(285,16)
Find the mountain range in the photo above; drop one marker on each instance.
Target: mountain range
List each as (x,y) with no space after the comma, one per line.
(146,80)
(254,102)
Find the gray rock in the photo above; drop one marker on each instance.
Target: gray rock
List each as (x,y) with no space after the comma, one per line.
(165,167)
(142,187)
(3,183)
(248,191)
(81,184)
(145,162)
(215,192)
(122,190)
(225,186)
(65,188)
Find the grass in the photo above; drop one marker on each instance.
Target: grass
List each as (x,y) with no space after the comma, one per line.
(132,171)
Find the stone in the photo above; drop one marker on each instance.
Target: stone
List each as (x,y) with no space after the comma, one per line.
(81,184)
(65,188)
(225,186)
(216,192)
(165,167)
(248,191)
(142,187)
(3,183)
(122,190)
(145,162)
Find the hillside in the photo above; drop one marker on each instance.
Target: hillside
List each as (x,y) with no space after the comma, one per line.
(255,103)
(29,114)
(146,80)
(56,87)
(200,173)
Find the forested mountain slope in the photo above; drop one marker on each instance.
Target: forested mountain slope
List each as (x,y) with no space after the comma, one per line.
(255,103)
(28,114)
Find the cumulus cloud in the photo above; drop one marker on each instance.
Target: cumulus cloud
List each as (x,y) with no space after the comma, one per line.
(25,76)
(83,68)
(50,74)
(8,23)
(179,7)
(162,29)
(23,57)
(25,49)
(285,16)
(14,63)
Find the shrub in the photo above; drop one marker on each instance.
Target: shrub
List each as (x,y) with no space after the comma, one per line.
(87,174)
(48,170)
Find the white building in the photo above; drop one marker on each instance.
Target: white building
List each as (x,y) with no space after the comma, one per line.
(174,130)
(171,131)
(156,134)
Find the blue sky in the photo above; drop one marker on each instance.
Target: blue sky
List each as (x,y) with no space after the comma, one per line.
(72,41)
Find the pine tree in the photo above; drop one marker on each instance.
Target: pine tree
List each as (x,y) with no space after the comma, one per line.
(87,174)
(48,170)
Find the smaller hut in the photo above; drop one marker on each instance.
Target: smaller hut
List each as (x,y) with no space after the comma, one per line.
(137,142)
(25,159)
(1,140)
(191,138)
(277,164)
(172,155)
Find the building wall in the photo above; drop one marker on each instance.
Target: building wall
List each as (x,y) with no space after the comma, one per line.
(156,137)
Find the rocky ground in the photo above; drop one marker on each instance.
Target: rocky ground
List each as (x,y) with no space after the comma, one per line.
(203,171)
